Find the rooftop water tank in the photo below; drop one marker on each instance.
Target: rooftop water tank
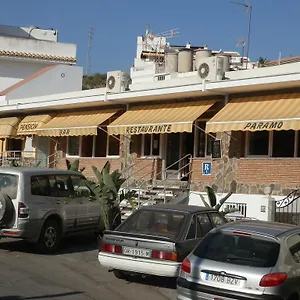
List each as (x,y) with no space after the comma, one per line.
(171,62)
(200,54)
(185,60)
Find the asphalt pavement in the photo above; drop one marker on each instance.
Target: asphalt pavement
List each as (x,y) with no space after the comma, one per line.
(72,274)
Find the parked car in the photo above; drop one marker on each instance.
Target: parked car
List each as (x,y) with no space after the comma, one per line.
(244,260)
(43,205)
(154,240)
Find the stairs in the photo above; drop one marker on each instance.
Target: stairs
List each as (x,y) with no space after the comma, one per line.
(162,191)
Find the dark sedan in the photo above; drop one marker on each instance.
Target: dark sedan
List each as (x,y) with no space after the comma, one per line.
(154,240)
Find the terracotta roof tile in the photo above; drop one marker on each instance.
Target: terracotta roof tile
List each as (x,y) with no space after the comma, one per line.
(36,55)
(27,79)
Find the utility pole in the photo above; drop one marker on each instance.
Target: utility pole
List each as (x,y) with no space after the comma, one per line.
(89,51)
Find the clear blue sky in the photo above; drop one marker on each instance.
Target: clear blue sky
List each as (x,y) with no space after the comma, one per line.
(216,23)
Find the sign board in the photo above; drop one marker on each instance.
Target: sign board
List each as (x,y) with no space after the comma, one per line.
(206,168)
(216,150)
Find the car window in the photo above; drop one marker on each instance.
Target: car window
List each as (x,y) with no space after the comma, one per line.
(9,184)
(293,244)
(80,188)
(154,222)
(249,250)
(40,185)
(204,223)
(217,219)
(192,230)
(63,187)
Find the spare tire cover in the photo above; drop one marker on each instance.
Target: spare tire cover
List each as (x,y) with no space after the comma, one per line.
(7,210)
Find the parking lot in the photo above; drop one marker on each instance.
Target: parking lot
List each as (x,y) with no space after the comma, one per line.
(73,273)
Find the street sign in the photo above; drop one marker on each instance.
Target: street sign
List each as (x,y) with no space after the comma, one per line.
(206,168)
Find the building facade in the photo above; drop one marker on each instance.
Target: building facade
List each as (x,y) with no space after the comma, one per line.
(165,124)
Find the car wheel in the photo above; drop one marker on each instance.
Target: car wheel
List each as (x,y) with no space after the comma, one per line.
(120,274)
(50,237)
(7,211)
(294,297)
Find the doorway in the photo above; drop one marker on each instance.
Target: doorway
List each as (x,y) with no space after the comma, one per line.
(177,146)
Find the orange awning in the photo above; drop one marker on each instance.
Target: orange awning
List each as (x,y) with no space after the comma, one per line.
(159,118)
(8,127)
(76,123)
(276,112)
(30,124)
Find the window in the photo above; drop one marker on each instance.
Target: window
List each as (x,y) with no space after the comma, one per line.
(101,145)
(293,244)
(217,219)
(40,185)
(252,251)
(9,184)
(113,145)
(258,143)
(283,143)
(192,230)
(80,188)
(157,223)
(73,146)
(151,145)
(205,224)
(203,141)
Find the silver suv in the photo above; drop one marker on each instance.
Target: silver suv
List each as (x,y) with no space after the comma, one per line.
(244,260)
(44,205)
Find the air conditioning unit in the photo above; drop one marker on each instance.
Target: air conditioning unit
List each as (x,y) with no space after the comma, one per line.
(117,81)
(211,68)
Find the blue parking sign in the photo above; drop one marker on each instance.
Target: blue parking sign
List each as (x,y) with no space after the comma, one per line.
(206,168)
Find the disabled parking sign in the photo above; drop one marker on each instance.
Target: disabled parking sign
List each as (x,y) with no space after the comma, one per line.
(206,168)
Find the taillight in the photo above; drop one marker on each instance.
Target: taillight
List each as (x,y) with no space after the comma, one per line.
(23,211)
(111,248)
(186,266)
(273,279)
(165,255)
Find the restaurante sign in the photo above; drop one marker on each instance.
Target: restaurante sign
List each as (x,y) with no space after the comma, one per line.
(148,129)
(263,125)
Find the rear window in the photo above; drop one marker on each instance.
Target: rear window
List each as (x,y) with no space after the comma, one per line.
(252,251)
(9,184)
(158,223)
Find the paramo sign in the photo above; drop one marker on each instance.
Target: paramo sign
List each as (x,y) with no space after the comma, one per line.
(271,125)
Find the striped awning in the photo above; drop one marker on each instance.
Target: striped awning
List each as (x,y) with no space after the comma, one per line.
(30,124)
(159,118)
(276,112)
(75,123)
(8,127)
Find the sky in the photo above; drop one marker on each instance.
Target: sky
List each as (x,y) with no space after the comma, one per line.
(219,24)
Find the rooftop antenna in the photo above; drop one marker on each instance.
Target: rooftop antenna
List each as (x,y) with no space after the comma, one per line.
(248,8)
(89,51)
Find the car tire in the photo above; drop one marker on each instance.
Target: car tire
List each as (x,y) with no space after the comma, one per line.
(7,211)
(50,237)
(120,274)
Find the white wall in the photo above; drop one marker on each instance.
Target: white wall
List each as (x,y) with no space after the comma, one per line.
(37,46)
(60,79)
(11,72)
(29,32)
(256,204)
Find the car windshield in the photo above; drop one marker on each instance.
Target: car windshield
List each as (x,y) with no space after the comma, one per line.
(254,251)
(9,185)
(153,222)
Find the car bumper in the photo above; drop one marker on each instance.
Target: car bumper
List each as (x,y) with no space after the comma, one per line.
(191,291)
(27,229)
(139,265)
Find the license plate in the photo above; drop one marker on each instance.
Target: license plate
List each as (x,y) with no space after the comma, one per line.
(136,252)
(222,279)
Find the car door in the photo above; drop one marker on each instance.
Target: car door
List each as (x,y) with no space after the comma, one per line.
(192,238)
(82,198)
(63,194)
